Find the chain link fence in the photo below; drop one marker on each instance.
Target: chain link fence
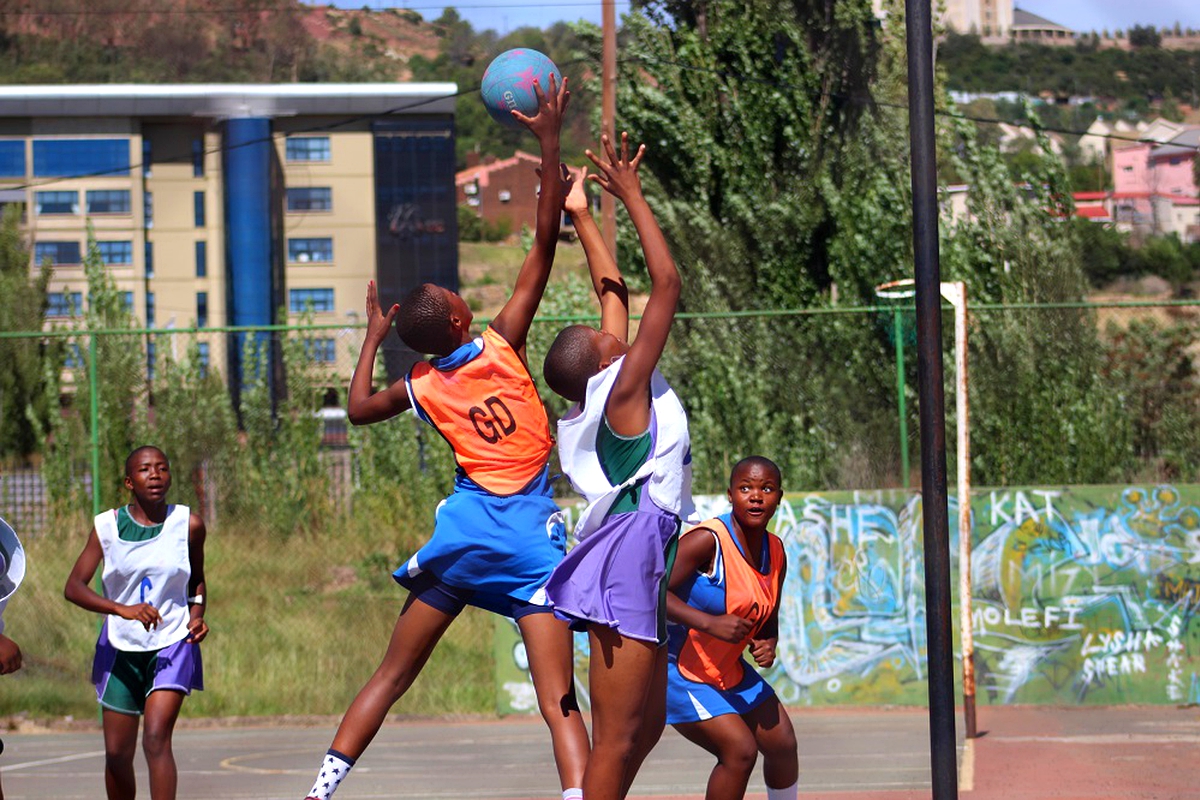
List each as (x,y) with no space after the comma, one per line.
(1063,393)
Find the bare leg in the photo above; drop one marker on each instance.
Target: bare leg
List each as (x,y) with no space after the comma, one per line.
(551,656)
(654,720)
(120,745)
(417,632)
(621,672)
(772,728)
(162,709)
(729,739)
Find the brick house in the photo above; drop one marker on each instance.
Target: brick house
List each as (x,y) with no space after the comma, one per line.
(503,191)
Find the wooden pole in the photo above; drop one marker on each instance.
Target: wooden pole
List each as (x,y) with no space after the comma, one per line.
(608,113)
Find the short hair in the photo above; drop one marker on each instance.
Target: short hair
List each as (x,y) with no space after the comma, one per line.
(571,361)
(757,461)
(423,322)
(138,451)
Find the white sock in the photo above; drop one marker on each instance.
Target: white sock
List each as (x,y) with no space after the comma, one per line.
(790,793)
(572,794)
(334,768)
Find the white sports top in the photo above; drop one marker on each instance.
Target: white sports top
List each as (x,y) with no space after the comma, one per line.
(154,571)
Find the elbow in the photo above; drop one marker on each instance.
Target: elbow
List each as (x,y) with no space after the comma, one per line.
(355,417)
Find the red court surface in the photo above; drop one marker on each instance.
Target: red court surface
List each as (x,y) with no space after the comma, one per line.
(1026,753)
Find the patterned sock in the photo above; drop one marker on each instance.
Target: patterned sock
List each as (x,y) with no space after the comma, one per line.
(790,793)
(334,768)
(572,794)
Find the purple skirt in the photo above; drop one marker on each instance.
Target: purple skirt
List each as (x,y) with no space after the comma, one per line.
(615,576)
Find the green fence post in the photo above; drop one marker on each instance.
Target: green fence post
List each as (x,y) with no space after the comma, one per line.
(901,402)
(95,424)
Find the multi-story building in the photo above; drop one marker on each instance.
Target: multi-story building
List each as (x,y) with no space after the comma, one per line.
(990,19)
(217,205)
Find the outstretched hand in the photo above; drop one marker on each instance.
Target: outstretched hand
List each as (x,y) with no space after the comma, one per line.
(378,323)
(576,199)
(10,655)
(552,103)
(618,173)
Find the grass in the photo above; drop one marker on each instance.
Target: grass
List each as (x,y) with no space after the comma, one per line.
(298,625)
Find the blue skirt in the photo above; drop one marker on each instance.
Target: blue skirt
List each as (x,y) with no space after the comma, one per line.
(502,549)
(693,701)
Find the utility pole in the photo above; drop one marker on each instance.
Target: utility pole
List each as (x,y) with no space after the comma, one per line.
(608,113)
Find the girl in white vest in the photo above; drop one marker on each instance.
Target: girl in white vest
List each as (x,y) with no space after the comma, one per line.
(148,654)
(625,448)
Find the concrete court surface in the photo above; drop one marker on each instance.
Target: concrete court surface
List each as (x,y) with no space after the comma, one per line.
(1026,753)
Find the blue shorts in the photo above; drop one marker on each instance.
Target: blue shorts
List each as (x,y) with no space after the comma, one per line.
(492,551)
(693,701)
(125,678)
(433,592)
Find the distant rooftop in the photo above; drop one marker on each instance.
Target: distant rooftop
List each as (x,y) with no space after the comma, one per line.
(1024,19)
(226,99)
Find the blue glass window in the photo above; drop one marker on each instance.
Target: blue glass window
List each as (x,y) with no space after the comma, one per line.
(151,360)
(201,309)
(201,259)
(148,209)
(198,201)
(56,202)
(310,198)
(74,357)
(308,148)
(149,259)
(300,300)
(57,252)
(64,304)
(197,158)
(127,301)
(108,201)
(150,309)
(322,351)
(304,251)
(58,157)
(202,355)
(12,158)
(147,157)
(115,253)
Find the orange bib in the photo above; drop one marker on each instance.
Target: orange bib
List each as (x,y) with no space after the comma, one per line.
(748,594)
(489,411)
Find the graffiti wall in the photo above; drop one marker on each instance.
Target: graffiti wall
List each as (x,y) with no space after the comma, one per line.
(1079,595)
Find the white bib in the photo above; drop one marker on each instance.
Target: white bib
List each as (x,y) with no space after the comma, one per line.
(154,571)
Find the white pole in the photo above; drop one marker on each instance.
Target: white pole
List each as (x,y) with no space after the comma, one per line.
(956,293)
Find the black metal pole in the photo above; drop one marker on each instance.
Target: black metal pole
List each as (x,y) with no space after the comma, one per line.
(931,392)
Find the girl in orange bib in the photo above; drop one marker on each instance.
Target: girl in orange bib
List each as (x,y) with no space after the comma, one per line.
(723,599)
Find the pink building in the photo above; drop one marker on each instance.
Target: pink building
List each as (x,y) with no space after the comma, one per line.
(1152,181)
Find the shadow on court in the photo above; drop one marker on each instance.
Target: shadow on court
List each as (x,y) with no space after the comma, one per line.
(1027,753)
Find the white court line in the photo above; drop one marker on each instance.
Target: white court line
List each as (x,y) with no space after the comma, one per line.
(1105,738)
(44,761)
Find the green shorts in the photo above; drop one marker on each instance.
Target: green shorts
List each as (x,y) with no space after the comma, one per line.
(124,679)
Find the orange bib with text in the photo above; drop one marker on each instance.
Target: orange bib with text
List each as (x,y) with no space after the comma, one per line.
(489,411)
(749,594)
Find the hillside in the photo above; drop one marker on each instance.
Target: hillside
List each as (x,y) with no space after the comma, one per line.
(210,40)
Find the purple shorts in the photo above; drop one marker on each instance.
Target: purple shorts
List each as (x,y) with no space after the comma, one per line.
(125,678)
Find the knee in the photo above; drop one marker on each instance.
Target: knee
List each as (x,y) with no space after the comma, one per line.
(156,742)
(740,757)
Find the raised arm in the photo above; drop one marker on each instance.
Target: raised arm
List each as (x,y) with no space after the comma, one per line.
(365,405)
(628,409)
(606,278)
(513,320)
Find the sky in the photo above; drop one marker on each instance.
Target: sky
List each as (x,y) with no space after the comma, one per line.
(503,16)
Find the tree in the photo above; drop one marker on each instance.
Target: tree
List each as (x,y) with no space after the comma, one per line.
(1144,36)
(22,392)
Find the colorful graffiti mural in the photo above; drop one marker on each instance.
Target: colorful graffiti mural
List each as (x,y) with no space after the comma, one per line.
(1079,595)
